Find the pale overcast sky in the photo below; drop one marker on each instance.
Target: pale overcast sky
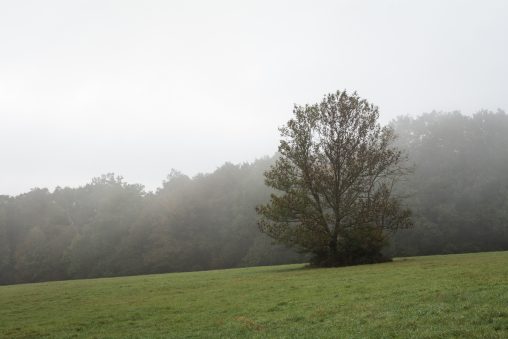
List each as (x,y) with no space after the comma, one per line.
(140,87)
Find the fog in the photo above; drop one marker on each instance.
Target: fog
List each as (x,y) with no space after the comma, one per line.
(138,88)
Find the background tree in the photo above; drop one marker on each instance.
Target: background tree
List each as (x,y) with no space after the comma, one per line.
(458,191)
(336,171)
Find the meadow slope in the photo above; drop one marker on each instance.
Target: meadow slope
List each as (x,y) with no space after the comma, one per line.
(452,296)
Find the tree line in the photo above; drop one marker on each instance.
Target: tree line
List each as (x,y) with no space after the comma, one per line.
(458,192)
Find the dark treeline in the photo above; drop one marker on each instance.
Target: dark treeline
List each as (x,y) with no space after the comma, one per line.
(458,193)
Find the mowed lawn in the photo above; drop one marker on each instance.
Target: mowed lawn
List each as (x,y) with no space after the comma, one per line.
(452,296)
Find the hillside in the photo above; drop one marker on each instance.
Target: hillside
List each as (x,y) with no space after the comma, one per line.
(425,297)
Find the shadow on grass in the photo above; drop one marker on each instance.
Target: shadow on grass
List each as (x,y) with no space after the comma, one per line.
(302,267)
(308,266)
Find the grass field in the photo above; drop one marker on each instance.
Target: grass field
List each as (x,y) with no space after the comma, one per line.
(453,296)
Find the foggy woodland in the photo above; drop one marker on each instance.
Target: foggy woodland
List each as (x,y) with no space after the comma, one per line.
(458,192)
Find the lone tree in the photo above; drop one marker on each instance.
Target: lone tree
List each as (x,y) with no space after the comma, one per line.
(334,180)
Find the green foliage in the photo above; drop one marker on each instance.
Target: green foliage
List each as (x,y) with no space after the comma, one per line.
(334,179)
(454,296)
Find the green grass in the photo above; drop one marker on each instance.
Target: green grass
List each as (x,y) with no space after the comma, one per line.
(453,296)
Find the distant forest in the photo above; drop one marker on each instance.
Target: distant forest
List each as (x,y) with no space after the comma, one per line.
(458,192)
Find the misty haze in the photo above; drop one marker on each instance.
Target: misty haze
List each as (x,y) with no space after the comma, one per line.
(320,169)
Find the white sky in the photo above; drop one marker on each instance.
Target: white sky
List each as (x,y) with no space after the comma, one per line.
(140,87)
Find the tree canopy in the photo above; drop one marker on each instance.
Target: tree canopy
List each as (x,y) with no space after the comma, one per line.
(334,180)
